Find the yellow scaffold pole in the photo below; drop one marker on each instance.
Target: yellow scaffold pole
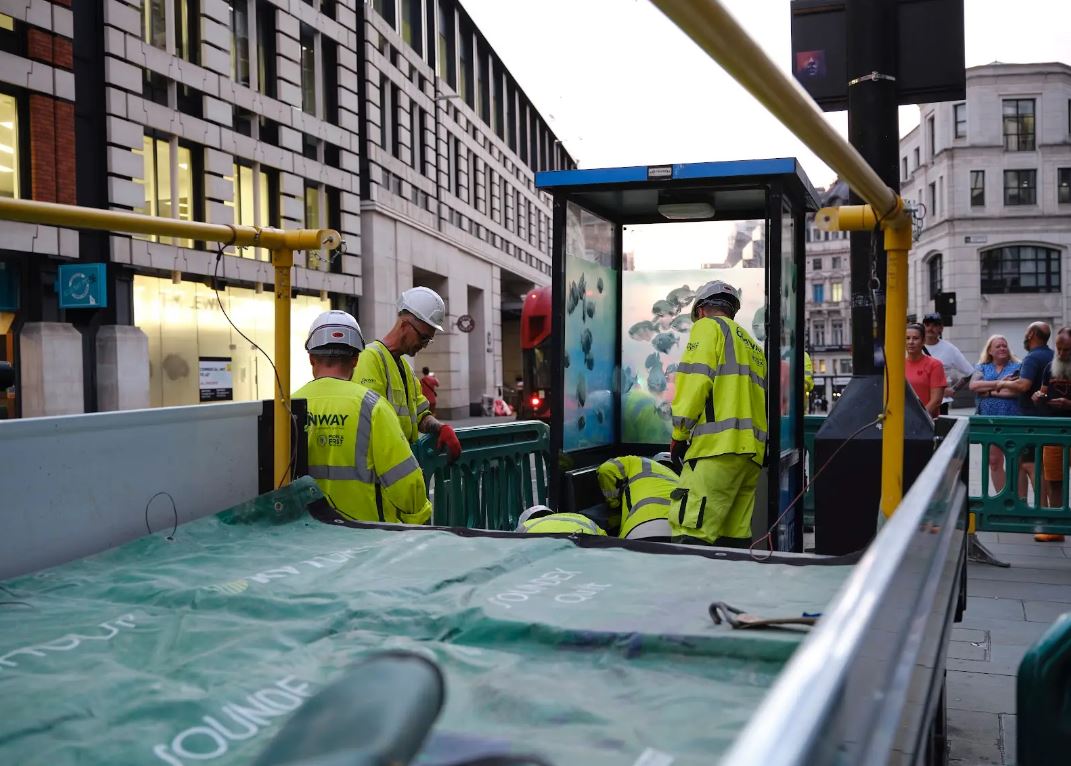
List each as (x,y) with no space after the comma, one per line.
(282,244)
(714,30)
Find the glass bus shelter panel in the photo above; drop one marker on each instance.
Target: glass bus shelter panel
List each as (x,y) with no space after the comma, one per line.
(791,348)
(663,267)
(589,357)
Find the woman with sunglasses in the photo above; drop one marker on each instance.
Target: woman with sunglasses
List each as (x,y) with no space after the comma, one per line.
(421,313)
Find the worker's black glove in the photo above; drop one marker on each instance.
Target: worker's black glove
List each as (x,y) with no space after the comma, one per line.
(676,453)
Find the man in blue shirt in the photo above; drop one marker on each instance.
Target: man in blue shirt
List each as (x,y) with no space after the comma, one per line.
(1036,342)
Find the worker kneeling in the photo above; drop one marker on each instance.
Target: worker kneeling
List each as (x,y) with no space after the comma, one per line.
(358,454)
(640,489)
(719,423)
(539,519)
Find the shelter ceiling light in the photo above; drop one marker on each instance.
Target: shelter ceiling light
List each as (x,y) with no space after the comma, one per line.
(686,211)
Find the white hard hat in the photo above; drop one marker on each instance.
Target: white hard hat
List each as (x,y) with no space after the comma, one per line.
(335,328)
(716,292)
(425,304)
(534,512)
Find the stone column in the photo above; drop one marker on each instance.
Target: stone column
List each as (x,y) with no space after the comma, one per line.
(122,368)
(51,370)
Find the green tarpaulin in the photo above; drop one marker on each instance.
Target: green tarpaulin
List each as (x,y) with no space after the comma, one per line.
(196,649)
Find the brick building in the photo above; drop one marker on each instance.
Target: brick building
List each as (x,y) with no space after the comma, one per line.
(392,121)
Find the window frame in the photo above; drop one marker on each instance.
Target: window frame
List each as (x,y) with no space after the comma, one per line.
(935,278)
(21,168)
(998,280)
(1018,120)
(1020,187)
(959,118)
(1063,186)
(977,191)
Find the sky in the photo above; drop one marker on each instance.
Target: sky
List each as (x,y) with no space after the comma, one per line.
(621,85)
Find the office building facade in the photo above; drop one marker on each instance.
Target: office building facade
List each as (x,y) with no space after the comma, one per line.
(392,122)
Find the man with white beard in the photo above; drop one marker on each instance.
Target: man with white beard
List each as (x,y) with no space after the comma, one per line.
(1054,399)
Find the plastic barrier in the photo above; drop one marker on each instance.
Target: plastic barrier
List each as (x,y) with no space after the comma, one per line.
(502,470)
(1018,437)
(1003,511)
(1043,698)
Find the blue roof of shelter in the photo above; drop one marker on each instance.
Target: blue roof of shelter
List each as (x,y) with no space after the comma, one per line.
(736,188)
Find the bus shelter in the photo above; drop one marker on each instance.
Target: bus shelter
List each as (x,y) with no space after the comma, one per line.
(631,246)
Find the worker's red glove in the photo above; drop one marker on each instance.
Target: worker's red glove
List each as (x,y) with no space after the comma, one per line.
(676,452)
(448,440)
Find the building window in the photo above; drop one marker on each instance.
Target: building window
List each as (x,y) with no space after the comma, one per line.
(10,157)
(959,112)
(845,366)
(416,136)
(154,23)
(1020,187)
(1019,124)
(240,41)
(329,68)
(411,29)
(187,29)
(457,167)
(496,104)
(167,182)
(819,334)
(933,200)
(313,220)
(395,121)
(916,157)
(818,292)
(266,48)
(816,264)
(464,88)
(838,334)
(836,259)
(931,135)
(446,43)
(836,291)
(254,189)
(934,266)
(308,70)
(977,188)
(384,111)
(385,8)
(1021,269)
(1063,184)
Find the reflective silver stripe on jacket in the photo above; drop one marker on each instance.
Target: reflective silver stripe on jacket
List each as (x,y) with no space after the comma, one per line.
(399,472)
(423,407)
(359,471)
(729,367)
(648,501)
(729,424)
(679,421)
(401,408)
(650,528)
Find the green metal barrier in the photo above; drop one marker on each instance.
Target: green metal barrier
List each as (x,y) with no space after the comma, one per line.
(1045,507)
(1043,698)
(502,470)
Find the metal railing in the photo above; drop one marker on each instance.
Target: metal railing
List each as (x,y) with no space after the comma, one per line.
(502,470)
(1026,502)
(883,632)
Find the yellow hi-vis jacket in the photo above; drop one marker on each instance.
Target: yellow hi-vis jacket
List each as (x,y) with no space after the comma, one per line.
(808,374)
(720,401)
(359,456)
(562,524)
(640,487)
(393,378)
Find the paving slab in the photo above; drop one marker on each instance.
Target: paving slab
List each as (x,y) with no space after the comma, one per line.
(1021,590)
(1059,574)
(999,659)
(979,607)
(974,738)
(1017,632)
(1045,611)
(980,692)
(1028,549)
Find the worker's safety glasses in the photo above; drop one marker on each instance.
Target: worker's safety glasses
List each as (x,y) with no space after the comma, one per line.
(425,339)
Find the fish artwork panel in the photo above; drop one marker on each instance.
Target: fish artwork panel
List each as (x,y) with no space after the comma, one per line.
(644,330)
(664,341)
